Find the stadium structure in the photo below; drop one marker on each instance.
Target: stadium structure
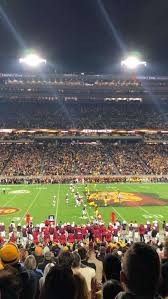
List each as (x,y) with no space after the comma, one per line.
(84,108)
(83,87)
(85,128)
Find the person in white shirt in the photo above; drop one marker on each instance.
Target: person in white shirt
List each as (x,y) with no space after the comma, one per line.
(88,272)
(98,264)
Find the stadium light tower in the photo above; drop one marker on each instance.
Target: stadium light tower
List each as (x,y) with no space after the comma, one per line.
(132,62)
(32,60)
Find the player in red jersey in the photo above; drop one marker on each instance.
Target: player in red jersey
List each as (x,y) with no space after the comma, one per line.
(71,238)
(46,235)
(35,237)
(62,239)
(55,236)
(113,217)
(12,238)
(108,236)
(142,232)
(28,219)
(2,241)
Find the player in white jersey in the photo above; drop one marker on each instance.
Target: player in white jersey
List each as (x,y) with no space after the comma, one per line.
(54,200)
(67,199)
(84,212)
(77,200)
(120,197)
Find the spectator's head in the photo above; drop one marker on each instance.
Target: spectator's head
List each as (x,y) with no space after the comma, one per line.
(38,251)
(111,288)
(30,262)
(47,256)
(141,270)
(23,254)
(9,254)
(10,283)
(102,250)
(111,267)
(81,287)
(65,258)
(45,250)
(83,253)
(59,283)
(76,260)
(47,269)
(92,252)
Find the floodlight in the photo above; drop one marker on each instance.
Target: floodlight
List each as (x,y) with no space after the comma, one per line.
(32,60)
(132,62)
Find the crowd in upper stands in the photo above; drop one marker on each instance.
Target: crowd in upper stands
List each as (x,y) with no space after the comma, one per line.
(48,159)
(65,115)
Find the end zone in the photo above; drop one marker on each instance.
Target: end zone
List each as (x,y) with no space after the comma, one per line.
(126,199)
(8,211)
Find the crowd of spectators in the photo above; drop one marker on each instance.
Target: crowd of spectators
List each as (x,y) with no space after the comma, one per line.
(65,115)
(69,159)
(5,154)
(91,268)
(157,159)
(76,159)
(24,159)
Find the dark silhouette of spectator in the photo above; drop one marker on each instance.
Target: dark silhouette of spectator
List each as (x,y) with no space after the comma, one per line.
(10,283)
(111,288)
(111,267)
(47,259)
(81,287)
(163,289)
(65,258)
(46,270)
(59,283)
(140,273)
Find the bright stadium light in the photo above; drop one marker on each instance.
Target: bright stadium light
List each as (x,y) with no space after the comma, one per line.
(32,60)
(132,62)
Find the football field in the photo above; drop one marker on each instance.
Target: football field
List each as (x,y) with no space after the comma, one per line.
(130,202)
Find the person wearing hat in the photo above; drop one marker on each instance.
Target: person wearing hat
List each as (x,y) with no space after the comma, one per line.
(47,259)
(38,254)
(10,256)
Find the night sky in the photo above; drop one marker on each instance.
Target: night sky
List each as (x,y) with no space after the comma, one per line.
(85,35)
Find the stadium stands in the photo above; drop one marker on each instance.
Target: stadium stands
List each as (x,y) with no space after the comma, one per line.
(69,159)
(64,101)
(79,115)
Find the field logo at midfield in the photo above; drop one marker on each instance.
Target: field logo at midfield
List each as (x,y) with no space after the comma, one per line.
(19,192)
(8,211)
(126,199)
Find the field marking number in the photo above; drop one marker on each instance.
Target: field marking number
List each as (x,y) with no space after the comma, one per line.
(151,216)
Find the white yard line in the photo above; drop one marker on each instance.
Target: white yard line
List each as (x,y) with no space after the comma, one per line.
(26,186)
(149,213)
(58,198)
(88,215)
(31,204)
(7,202)
(141,207)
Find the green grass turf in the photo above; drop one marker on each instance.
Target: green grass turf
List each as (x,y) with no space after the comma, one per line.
(38,202)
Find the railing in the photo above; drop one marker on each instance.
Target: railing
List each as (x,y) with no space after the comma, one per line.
(83,179)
